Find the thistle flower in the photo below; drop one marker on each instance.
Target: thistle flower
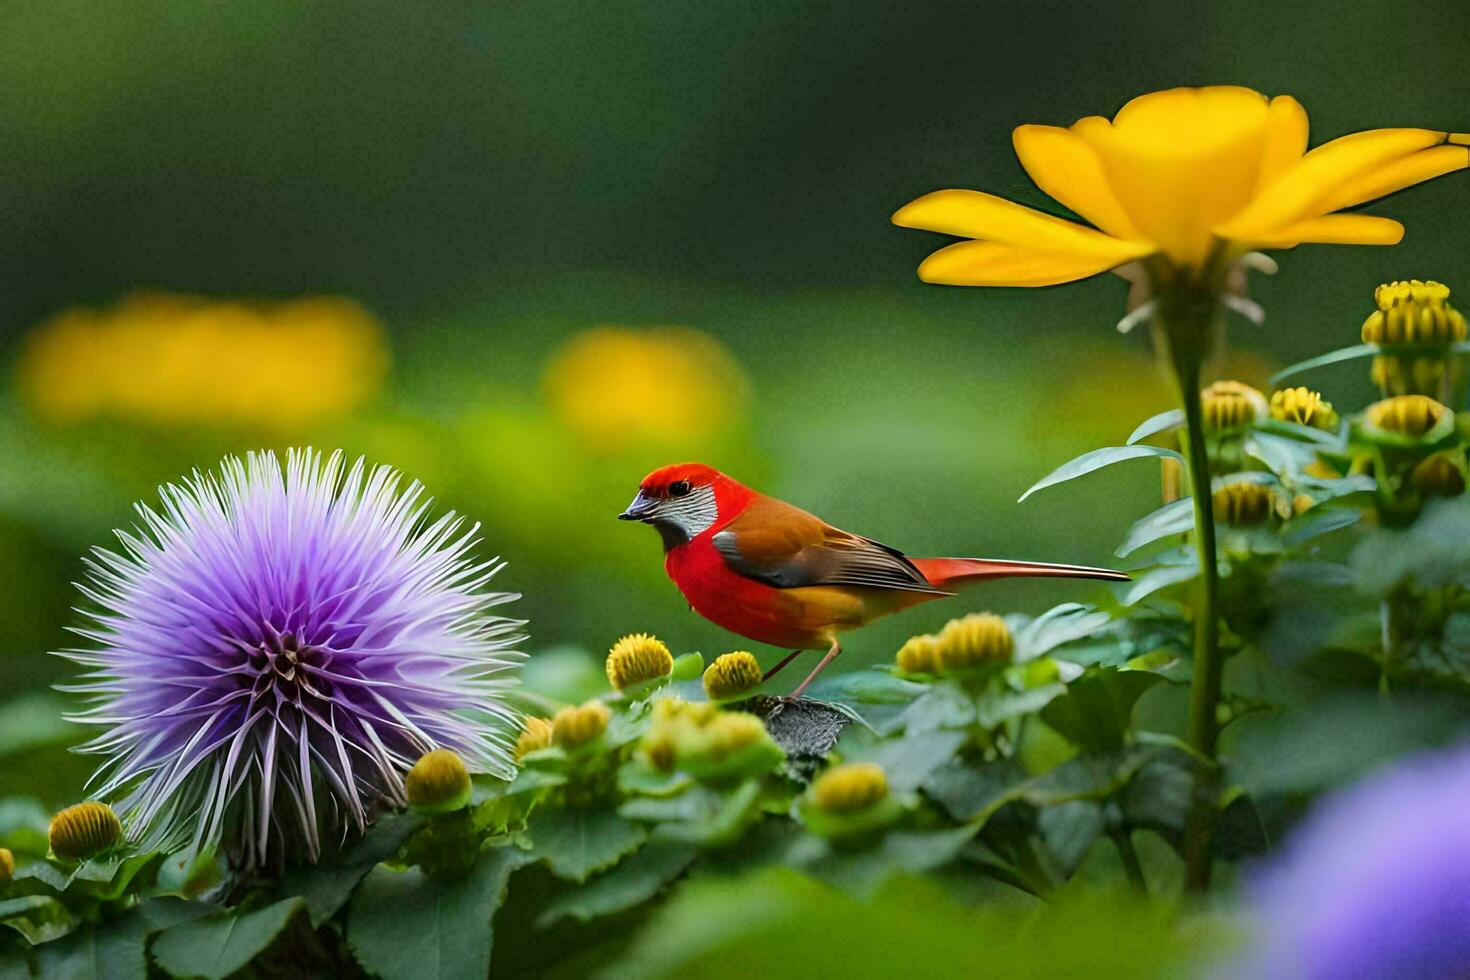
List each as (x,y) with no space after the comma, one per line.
(636,658)
(1231,405)
(278,645)
(919,655)
(732,675)
(575,727)
(438,783)
(535,736)
(1304,407)
(1243,504)
(976,640)
(1406,415)
(1180,174)
(1375,884)
(84,829)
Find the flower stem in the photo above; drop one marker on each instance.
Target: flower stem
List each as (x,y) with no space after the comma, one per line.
(1129,855)
(1184,320)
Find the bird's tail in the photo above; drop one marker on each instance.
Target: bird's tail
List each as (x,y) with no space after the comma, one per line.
(945,572)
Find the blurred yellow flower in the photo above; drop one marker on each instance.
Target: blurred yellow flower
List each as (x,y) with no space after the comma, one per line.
(615,387)
(169,359)
(1186,174)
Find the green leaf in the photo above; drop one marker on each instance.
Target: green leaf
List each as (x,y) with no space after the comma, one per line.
(575,842)
(24,822)
(1156,579)
(222,944)
(410,925)
(1175,517)
(971,793)
(1162,422)
(1061,624)
(1096,710)
(944,705)
(1096,460)
(1322,360)
(1317,522)
(39,918)
(861,687)
(325,887)
(721,821)
(1069,830)
(116,950)
(1000,705)
(631,883)
(908,761)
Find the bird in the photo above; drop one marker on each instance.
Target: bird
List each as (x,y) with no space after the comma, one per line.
(776,574)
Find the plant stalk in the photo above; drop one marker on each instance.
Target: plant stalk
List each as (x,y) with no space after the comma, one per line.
(1129,855)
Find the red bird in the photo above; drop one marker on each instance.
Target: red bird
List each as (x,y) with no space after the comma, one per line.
(774,573)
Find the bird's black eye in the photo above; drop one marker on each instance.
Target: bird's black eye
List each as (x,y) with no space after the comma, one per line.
(679,488)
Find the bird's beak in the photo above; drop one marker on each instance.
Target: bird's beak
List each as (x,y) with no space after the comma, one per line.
(641,509)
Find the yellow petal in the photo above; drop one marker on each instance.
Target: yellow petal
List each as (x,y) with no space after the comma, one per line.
(1395,176)
(1182,161)
(1062,164)
(1301,191)
(992,264)
(1336,229)
(976,215)
(1286,137)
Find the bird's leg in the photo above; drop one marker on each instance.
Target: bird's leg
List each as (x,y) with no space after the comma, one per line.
(831,654)
(776,669)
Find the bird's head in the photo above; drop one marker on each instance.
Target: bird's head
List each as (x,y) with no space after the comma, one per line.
(681,501)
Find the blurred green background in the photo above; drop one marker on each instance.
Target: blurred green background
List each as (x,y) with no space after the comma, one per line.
(488,182)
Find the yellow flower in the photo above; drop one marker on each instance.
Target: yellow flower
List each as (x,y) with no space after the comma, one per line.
(732,675)
(438,783)
(975,640)
(84,829)
(575,727)
(535,736)
(919,655)
(1409,415)
(1184,174)
(1413,313)
(850,787)
(1243,504)
(166,359)
(636,658)
(616,387)
(1230,405)
(1304,407)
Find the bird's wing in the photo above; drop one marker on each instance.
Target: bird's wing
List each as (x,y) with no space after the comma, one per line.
(784,546)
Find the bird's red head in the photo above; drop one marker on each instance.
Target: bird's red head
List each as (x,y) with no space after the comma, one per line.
(684,500)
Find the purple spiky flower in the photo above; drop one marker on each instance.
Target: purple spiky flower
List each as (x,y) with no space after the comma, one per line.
(275,647)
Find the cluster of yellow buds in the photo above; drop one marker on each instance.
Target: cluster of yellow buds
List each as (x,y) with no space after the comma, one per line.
(1304,407)
(1417,318)
(919,655)
(535,736)
(848,802)
(84,830)
(1243,504)
(438,783)
(1231,405)
(732,676)
(976,640)
(636,659)
(579,726)
(712,745)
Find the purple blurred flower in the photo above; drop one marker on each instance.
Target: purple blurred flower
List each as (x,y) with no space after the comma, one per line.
(1377,882)
(276,647)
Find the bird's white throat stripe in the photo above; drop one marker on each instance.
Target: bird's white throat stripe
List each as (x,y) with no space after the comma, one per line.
(692,514)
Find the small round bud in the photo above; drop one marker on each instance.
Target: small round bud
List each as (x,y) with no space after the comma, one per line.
(7,866)
(1231,405)
(1407,415)
(1301,503)
(1322,470)
(850,787)
(535,736)
(1414,313)
(636,658)
(670,710)
(1440,475)
(919,655)
(1242,504)
(730,747)
(732,676)
(1304,407)
(438,783)
(976,640)
(575,727)
(83,830)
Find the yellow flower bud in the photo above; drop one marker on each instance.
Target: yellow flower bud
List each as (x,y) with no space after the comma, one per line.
(1242,504)
(729,732)
(1301,503)
(1440,475)
(669,710)
(731,676)
(84,829)
(1231,405)
(1414,313)
(438,783)
(7,866)
(535,736)
(636,658)
(1409,415)
(1304,407)
(1322,470)
(919,655)
(973,641)
(574,727)
(850,787)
